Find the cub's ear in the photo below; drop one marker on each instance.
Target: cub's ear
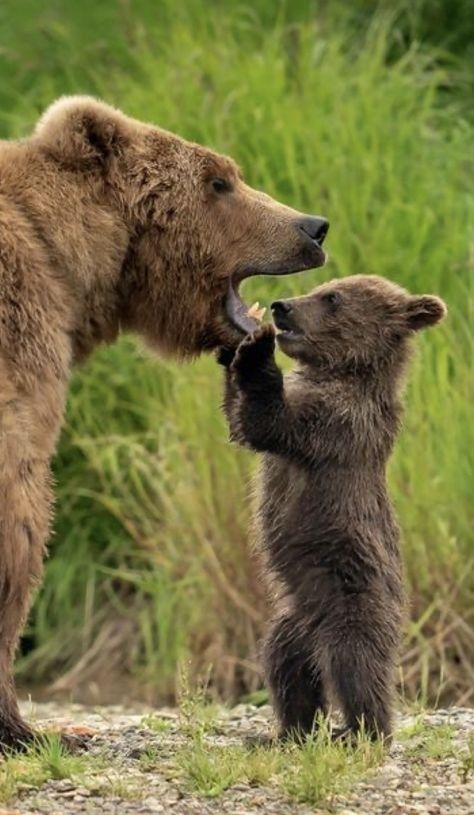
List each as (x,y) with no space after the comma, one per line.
(82,132)
(424,310)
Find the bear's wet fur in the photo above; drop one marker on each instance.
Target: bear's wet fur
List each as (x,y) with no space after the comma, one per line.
(108,224)
(326,524)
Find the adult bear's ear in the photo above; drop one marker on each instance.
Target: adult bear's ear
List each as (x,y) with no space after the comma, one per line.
(82,132)
(424,310)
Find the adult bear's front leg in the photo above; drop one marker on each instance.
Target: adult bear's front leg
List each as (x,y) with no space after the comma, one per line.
(28,429)
(24,513)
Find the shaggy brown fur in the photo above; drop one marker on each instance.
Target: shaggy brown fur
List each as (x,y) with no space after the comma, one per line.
(107,224)
(327,526)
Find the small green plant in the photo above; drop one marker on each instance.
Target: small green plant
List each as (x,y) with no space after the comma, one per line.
(197,714)
(425,741)
(156,723)
(46,759)
(263,765)
(210,770)
(322,767)
(466,768)
(149,759)
(55,759)
(112,784)
(412,730)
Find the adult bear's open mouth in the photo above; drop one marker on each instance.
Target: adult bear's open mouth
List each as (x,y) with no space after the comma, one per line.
(237,309)
(309,254)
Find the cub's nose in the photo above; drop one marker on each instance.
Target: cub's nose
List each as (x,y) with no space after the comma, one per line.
(314,228)
(280,307)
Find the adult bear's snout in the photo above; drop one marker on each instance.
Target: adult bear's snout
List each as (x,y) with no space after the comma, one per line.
(315,228)
(312,231)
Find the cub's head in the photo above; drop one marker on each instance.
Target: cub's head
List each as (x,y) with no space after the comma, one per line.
(355,323)
(195,229)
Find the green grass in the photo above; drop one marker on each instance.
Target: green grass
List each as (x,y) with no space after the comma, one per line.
(312,772)
(425,741)
(317,771)
(150,563)
(466,768)
(45,760)
(48,760)
(322,769)
(211,770)
(428,743)
(157,724)
(112,784)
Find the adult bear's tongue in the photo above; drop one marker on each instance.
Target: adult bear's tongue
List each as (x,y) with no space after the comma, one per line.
(238,311)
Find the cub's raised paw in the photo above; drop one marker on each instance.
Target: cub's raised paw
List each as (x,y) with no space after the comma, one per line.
(255,349)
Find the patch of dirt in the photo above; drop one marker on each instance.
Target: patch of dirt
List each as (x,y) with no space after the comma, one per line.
(139,775)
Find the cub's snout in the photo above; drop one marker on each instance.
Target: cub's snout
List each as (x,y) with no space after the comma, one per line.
(281,311)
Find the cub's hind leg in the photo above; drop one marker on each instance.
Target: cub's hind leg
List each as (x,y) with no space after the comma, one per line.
(363,682)
(361,672)
(295,683)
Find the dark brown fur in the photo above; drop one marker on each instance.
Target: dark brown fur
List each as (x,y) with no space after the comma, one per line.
(327,525)
(106,224)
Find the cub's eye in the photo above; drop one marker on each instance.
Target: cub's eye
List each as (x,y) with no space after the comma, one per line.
(220,185)
(332,298)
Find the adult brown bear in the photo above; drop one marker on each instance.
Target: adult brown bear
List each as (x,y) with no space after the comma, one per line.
(109,224)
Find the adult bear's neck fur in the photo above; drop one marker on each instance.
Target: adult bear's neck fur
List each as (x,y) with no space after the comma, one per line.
(83,240)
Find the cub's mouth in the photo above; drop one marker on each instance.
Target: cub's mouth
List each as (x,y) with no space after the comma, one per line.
(284,319)
(245,318)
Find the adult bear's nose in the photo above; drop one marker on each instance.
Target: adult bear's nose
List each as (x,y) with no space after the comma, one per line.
(314,228)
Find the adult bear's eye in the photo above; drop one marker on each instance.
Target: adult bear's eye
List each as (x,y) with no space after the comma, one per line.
(332,298)
(220,185)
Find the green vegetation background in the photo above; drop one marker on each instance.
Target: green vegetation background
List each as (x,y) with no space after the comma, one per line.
(363,112)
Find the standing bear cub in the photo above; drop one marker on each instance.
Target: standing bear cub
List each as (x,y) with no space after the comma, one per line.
(326,523)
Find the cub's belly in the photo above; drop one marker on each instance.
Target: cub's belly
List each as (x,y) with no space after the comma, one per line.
(281,494)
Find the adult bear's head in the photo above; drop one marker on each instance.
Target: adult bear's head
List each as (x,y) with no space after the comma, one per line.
(194,228)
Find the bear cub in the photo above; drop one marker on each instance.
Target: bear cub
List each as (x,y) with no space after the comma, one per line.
(327,527)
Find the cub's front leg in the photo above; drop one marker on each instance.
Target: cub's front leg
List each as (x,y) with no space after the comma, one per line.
(259,383)
(230,400)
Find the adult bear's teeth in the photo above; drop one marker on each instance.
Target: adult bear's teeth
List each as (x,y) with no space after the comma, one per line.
(256,312)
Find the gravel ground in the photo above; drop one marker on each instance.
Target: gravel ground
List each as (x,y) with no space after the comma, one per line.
(403,785)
